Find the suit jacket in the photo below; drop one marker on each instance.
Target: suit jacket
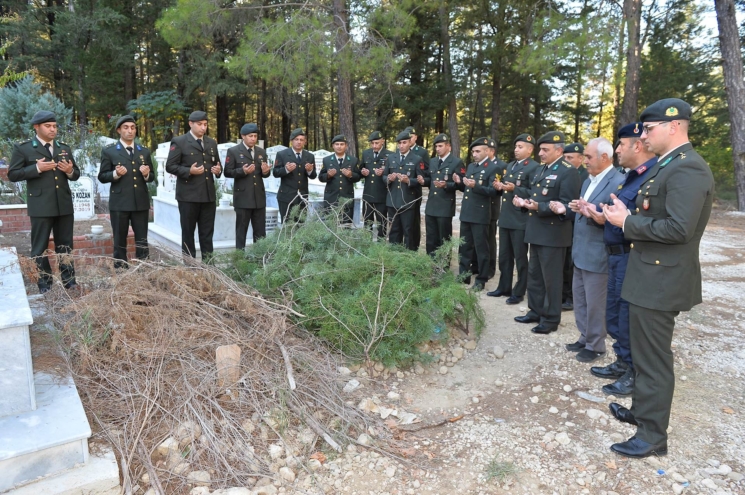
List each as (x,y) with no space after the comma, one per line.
(401,195)
(674,204)
(184,152)
(339,186)
(441,202)
(496,200)
(556,182)
(49,192)
(128,192)
(476,204)
(588,247)
(375,190)
(518,173)
(294,182)
(248,189)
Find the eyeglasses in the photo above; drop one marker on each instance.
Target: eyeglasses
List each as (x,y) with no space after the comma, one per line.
(647,127)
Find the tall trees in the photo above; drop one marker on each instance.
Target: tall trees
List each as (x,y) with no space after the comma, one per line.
(632,16)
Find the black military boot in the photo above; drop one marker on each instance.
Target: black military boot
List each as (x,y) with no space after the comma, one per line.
(614,370)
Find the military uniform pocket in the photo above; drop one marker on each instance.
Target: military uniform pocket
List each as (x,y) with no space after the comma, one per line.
(665,257)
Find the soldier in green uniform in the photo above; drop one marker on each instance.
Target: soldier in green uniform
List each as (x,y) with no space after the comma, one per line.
(340,172)
(404,188)
(513,250)
(128,167)
(294,166)
(194,160)
(663,276)
(375,190)
(548,233)
(247,165)
(495,206)
(477,185)
(440,209)
(47,165)
(574,154)
(415,148)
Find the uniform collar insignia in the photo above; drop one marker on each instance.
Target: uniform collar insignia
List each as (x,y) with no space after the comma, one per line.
(118,146)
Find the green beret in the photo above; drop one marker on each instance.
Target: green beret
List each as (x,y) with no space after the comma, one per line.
(297,132)
(403,136)
(375,136)
(123,120)
(574,148)
(482,141)
(525,138)
(410,130)
(492,144)
(339,138)
(197,116)
(442,138)
(553,137)
(43,117)
(249,129)
(666,110)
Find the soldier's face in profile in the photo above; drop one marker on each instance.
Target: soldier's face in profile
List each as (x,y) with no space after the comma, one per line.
(523,150)
(479,153)
(127,131)
(442,149)
(404,145)
(549,153)
(46,131)
(340,147)
(298,143)
(250,139)
(377,145)
(574,158)
(625,151)
(198,128)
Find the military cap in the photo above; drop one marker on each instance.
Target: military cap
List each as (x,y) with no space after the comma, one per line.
(441,138)
(525,138)
(553,137)
(249,129)
(339,138)
(410,130)
(375,136)
(197,116)
(633,130)
(482,141)
(42,117)
(574,148)
(297,132)
(123,120)
(402,136)
(492,144)
(666,110)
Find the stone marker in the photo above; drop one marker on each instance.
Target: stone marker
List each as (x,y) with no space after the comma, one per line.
(228,358)
(82,198)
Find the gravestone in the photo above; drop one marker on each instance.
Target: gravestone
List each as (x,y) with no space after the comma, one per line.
(82,198)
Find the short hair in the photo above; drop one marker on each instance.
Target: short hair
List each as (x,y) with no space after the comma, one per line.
(603,146)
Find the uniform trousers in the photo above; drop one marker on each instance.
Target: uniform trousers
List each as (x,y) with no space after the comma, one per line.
(475,245)
(513,251)
(62,226)
(203,216)
(590,298)
(285,207)
(256,217)
(568,284)
(376,213)
(492,248)
(120,222)
(617,308)
(438,230)
(402,227)
(544,283)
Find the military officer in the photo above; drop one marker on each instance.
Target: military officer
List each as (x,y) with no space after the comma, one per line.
(495,207)
(194,160)
(574,154)
(415,148)
(375,190)
(477,185)
(128,167)
(340,172)
(403,175)
(513,250)
(247,165)
(294,166)
(548,233)
(440,209)
(47,165)
(663,277)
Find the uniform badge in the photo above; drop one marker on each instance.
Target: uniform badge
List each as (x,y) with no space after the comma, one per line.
(445,177)
(645,203)
(142,159)
(620,186)
(671,112)
(408,173)
(173,147)
(227,159)
(545,191)
(517,182)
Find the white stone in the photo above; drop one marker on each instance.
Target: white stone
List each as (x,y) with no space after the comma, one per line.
(344,371)
(734,476)
(457,352)
(167,446)
(276,451)
(203,490)
(534,400)
(187,431)
(394,395)
(200,478)
(390,471)
(678,488)
(678,477)
(385,412)
(498,352)
(713,463)
(368,405)
(287,474)
(265,490)
(537,389)
(180,468)
(724,470)
(470,345)
(594,413)
(553,410)
(708,483)
(236,490)
(364,439)
(443,370)
(499,383)
(567,388)
(351,386)
(314,464)
(562,438)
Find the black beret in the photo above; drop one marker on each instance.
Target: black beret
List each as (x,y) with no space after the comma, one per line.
(297,132)
(666,110)
(492,144)
(123,120)
(483,141)
(525,138)
(249,129)
(574,148)
(553,137)
(403,136)
(197,116)
(339,138)
(630,130)
(410,130)
(43,117)
(441,138)
(375,136)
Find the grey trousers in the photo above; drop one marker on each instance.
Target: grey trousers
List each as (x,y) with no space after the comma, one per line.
(590,291)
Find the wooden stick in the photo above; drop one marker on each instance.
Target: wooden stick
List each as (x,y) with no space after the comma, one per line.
(288,364)
(314,426)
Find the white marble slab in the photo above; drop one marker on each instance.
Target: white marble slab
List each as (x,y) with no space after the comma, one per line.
(14,310)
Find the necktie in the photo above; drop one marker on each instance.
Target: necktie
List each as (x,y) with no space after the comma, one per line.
(375,156)
(250,154)
(129,150)
(48,146)
(441,162)
(199,142)
(297,155)
(403,157)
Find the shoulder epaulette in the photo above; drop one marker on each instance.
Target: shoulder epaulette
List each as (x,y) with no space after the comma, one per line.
(111,145)
(25,142)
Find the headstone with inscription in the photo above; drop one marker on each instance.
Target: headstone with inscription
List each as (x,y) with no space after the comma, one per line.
(82,198)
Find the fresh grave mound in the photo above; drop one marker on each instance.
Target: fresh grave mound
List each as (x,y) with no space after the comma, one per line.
(142,348)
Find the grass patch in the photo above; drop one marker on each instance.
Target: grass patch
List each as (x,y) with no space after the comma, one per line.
(499,470)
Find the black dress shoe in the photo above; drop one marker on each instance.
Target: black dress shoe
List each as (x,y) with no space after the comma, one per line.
(622,414)
(576,347)
(514,299)
(588,356)
(543,329)
(44,290)
(614,370)
(567,306)
(638,448)
(498,293)
(526,319)
(477,287)
(72,286)
(623,386)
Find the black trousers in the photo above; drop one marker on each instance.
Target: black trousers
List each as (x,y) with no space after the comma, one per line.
(402,227)
(193,215)
(438,230)
(492,248)
(568,277)
(284,209)
(513,251)
(544,283)
(475,245)
(243,216)
(120,222)
(62,226)
(376,212)
(347,210)
(417,230)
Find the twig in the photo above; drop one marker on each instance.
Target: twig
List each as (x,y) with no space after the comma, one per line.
(314,426)
(154,480)
(434,425)
(288,364)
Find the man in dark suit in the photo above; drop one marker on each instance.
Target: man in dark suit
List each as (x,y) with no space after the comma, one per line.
(194,160)
(663,276)
(424,154)
(513,250)
(247,165)
(294,166)
(402,177)
(573,154)
(495,207)
(440,208)
(47,165)
(548,233)
(128,167)
(340,172)
(375,190)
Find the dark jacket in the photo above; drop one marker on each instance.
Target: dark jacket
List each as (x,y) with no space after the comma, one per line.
(339,186)
(183,153)
(248,190)
(518,173)
(401,196)
(375,190)
(128,192)
(496,201)
(476,204)
(441,201)
(296,181)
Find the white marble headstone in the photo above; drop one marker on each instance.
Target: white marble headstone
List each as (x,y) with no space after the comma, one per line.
(82,198)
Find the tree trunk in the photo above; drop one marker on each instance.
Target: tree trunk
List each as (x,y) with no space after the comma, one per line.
(632,14)
(447,74)
(343,52)
(222,107)
(729,43)
(496,92)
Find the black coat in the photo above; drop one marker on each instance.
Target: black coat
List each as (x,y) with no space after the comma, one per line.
(476,204)
(296,181)
(518,173)
(375,190)
(441,201)
(128,192)
(339,186)
(401,196)
(248,190)
(184,152)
